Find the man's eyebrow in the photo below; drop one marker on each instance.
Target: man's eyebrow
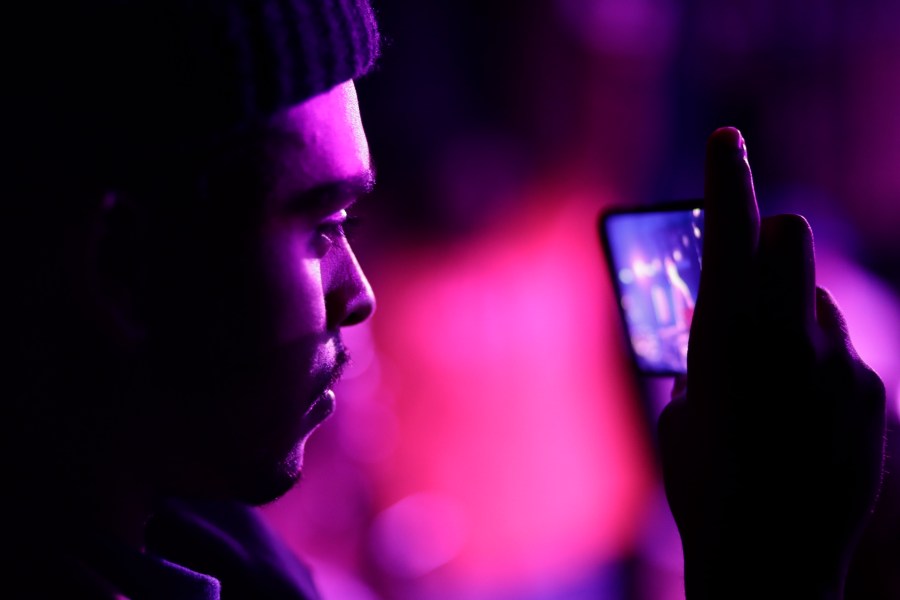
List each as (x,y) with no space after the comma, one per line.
(332,196)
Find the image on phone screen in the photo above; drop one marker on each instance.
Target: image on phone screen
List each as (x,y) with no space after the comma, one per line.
(654,255)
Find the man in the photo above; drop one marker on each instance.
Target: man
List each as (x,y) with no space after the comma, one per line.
(177,181)
(177,279)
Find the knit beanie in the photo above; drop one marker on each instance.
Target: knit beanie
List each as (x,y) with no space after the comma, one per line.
(119,85)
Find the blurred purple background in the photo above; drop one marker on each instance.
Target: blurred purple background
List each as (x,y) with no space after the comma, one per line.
(491,441)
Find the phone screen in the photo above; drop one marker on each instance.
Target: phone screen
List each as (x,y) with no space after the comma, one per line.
(654,257)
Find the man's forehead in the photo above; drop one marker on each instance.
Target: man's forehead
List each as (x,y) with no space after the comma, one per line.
(322,140)
(334,112)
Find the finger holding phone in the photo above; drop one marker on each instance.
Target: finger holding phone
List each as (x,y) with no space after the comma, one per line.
(772,445)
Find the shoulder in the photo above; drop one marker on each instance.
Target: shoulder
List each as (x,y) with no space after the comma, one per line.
(232,542)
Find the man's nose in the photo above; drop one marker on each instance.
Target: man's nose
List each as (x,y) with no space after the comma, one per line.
(349,297)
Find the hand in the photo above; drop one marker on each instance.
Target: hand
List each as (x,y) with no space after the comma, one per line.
(772,446)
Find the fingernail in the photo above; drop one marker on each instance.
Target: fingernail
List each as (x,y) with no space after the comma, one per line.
(742,144)
(729,139)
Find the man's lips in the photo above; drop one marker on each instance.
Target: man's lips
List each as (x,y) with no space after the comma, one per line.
(321,409)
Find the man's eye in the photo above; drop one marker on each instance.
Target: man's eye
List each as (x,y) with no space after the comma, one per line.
(331,231)
(350,226)
(325,237)
(328,233)
(345,228)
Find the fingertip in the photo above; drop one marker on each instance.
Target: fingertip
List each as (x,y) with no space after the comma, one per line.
(793,223)
(791,238)
(726,158)
(727,139)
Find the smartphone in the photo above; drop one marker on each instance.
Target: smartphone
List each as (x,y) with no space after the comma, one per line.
(654,254)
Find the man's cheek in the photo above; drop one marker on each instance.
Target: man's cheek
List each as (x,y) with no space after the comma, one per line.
(299,295)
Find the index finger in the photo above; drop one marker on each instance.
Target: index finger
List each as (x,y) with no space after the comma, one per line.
(731,220)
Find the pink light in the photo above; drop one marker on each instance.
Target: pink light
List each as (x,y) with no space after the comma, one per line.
(872,311)
(512,395)
(419,534)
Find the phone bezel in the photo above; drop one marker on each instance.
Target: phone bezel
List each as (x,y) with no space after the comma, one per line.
(606,213)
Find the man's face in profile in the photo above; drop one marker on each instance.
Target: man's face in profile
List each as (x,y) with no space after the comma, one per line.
(247,298)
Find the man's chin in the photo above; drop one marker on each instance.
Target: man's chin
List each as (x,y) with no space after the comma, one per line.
(268,483)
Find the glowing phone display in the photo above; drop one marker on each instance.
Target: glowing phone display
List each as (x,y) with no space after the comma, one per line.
(654,257)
